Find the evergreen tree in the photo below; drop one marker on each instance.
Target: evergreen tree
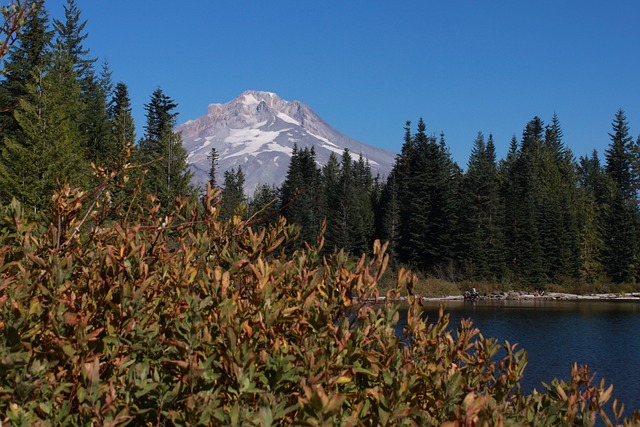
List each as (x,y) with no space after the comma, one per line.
(426,182)
(300,194)
(70,37)
(620,157)
(93,117)
(29,54)
(233,197)
(47,150)
(479,213)
(122,125)
(621,245)
(520,193)
(102,147)
(364,206)
(389,214)
(213,168)
(592,184)
(162,151)
(331,174)
(263,206)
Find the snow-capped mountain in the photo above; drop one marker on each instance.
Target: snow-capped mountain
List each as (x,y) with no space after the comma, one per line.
(258,130)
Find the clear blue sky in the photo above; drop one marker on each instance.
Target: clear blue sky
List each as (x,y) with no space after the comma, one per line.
(368,66)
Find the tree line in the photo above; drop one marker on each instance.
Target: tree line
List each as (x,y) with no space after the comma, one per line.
(60,114)
(536,217)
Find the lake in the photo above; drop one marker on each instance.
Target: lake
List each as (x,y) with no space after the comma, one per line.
(603,334)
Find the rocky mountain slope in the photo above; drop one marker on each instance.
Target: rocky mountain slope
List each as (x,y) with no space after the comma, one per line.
(258,130)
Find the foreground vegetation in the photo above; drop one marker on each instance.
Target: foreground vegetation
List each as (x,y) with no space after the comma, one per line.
(113,317)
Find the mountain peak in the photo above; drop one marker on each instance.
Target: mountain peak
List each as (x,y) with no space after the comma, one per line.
(257,131)
(254,97)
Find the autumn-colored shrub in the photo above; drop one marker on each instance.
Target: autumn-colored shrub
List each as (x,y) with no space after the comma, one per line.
(189,320)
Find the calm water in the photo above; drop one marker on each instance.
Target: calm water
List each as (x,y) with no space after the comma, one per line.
(604,335)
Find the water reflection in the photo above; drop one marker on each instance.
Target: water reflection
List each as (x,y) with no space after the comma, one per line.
(602,334)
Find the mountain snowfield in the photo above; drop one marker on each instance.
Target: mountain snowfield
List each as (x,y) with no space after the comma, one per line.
(257,131)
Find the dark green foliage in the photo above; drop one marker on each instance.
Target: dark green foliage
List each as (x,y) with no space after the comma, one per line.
(213,169)
(592,189)
(300,195)
(69,39)
(621,217)
(425,177)
(161,151)
(480,215)
(348,191)
(620,157)
(233,197)
(27,56)
(46,150)
(263,206)
(122,125)
(388,214)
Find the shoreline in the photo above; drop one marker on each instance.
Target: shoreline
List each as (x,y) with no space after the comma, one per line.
(527,296)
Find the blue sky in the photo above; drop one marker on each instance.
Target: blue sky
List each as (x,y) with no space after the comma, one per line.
(368,66)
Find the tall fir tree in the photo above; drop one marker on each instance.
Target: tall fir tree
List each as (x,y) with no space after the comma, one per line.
(620,251)
(161,150)
(233,197)
(123,127)
(93,118)
(213,166)
(47,150)
(592,190)
(331,174)
(426,182)
(263,206)
(300,194)
(479,213)
(29,55)
(525,257)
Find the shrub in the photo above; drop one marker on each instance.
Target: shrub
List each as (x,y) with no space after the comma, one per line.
(190,320)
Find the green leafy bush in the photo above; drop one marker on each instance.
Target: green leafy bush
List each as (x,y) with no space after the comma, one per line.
(107,318)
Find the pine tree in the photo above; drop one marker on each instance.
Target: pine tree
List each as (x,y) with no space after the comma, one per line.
(122,124)
(558,206)
(331,173)
(30,53)
(301,195)
(102,147)
(263,206)
(70,38)
(592,183)
(479,212)
(47,150)
(363,181)
(93,118)
(426,182)
(162,151)
(233,197)
(619,156)
(621,245)
(213,168)
(520,192)
(389,213)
